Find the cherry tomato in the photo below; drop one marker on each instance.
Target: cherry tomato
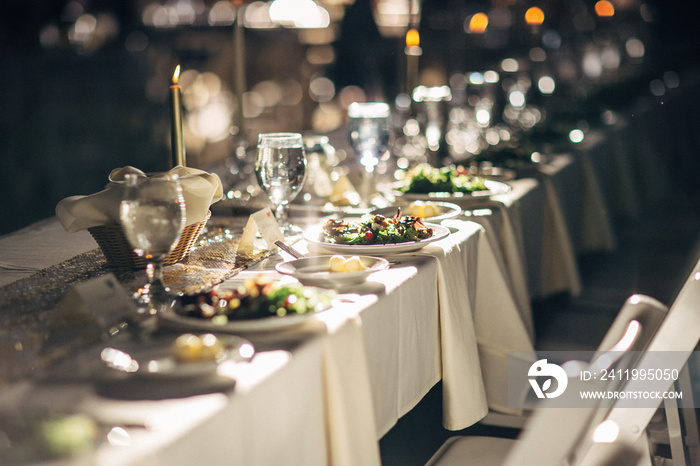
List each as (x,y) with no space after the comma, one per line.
(369,236)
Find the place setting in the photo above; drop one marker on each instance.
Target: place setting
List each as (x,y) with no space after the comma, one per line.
(425,182)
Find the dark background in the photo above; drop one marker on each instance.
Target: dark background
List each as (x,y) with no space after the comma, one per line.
(69,116)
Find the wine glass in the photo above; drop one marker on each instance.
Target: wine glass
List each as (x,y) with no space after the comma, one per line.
(152,214)
(280,168)
(369,130)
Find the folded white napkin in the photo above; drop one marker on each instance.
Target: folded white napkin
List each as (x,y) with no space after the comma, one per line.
(200,190)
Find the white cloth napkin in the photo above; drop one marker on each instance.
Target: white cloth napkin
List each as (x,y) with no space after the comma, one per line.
(200,189)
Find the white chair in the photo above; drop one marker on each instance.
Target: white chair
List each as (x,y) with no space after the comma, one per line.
(670,349)
(564,436)
(562,427)
(649,316)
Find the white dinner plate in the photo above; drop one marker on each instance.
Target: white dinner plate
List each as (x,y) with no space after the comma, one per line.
(305,210)
(494,187)
(315,271)
(158,362)
(439,232)
(446,209)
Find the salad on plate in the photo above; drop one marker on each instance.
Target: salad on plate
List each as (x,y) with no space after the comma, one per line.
(254,300)
(377,229)
(425,179)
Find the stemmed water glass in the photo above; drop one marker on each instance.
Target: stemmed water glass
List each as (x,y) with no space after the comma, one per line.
(280,168)
(152,214)
(369,130)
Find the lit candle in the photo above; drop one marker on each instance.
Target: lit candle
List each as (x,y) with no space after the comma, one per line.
(177,141)
(412,51)
(239,59)
(534,17)
(475,45)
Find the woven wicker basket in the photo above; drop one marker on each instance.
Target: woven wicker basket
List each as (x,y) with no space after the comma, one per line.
(120,254)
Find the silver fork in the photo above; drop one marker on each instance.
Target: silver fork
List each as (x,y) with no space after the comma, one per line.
(284,246)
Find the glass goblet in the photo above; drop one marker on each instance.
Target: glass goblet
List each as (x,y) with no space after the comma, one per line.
(152,214)
(280,168)
(369,129)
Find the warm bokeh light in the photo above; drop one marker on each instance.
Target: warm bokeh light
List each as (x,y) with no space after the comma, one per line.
(412,38)
(432,94)
(320,54)
(299,14)
(610,58)
(591,63)
(491,77)
(257,16)
(476,78)
(546,85)
(534,16)
(576,136)
(392,17)
(516,99)
(510,65)
(478,23)
(634,48)
(223,13)
(604,8)
(321,89)
(483,117)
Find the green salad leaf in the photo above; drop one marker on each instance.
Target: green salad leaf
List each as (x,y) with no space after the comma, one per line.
(425,179)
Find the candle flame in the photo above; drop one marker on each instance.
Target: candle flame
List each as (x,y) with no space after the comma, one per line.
(604,8)
(478,23)
(412,38)
(534,16)
(176,74)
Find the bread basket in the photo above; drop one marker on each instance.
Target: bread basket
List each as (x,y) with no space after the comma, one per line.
(120,254)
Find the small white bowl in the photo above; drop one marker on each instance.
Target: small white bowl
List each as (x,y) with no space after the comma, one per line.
(315,271)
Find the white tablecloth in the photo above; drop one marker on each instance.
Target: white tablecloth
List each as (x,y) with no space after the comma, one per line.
(436,314)
(328,391)
(249,425)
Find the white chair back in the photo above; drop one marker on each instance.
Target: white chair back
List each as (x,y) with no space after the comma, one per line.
(556,430)
(670,349)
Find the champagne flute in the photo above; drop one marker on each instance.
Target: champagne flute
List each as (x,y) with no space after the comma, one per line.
(280,168)
(152,214)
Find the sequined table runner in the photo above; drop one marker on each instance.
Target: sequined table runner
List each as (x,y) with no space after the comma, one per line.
(32,331)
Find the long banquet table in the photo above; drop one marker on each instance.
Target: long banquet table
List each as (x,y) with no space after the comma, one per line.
(359,366)
(451,311)
(327,391)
